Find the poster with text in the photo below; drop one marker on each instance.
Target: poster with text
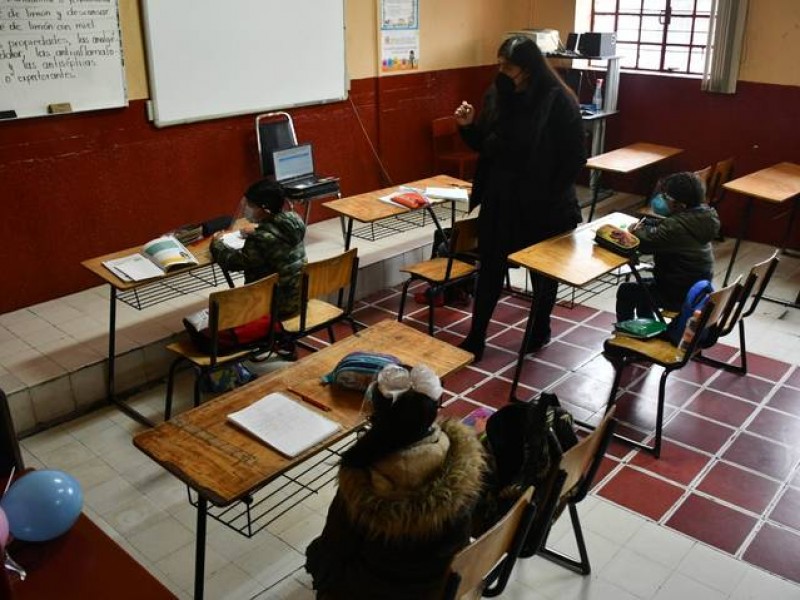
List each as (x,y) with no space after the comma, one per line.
(399,50)
(399,14)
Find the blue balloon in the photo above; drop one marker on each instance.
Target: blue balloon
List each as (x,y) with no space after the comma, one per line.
(42,505)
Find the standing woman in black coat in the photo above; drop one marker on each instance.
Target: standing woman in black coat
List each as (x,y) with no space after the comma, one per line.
(531,146)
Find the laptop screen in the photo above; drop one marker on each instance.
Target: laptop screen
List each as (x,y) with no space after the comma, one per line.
(293,162)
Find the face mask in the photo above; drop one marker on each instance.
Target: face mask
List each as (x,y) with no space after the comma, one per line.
(660,205)
(249,212)
(505,85)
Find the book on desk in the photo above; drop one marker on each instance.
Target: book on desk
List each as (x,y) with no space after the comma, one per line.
(284,424)
(156,258)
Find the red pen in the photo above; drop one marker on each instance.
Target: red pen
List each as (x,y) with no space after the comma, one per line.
(313,402)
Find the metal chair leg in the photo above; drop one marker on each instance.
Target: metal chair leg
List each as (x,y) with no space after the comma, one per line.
(581,566)
(403,301)
(170,388)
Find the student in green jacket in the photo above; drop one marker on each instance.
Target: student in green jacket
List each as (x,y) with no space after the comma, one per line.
(681,248)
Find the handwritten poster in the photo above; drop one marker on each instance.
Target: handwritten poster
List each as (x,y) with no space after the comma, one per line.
(399,35)
(59,52)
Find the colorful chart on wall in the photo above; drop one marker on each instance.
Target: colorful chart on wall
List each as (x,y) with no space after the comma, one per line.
(399,35)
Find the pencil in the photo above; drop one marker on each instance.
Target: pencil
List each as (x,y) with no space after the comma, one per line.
(313,402)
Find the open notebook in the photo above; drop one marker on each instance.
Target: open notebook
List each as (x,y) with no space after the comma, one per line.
(285,424)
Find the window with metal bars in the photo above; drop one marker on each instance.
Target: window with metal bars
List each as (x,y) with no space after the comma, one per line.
(656,35)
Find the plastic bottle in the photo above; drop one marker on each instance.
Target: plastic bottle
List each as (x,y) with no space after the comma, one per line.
(597,99)
(690,330)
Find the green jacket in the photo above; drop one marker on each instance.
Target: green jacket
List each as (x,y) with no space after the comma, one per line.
(682,250)
(275,247)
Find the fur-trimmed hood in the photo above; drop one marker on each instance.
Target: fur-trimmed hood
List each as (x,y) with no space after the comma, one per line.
(416,492)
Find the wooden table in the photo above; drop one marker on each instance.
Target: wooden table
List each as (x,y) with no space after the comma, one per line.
(626,160)
(225,465)
(368,208)
(777,184)
(572,258)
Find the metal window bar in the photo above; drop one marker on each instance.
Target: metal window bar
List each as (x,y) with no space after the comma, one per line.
(253,514)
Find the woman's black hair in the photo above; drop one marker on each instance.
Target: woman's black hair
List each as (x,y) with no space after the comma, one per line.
(395,425)
(521,51)
(685,187)
(266,194)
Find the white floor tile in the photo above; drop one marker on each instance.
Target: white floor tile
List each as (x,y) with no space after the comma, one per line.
(679,587)
(634,573)
(661,545)
(713,568)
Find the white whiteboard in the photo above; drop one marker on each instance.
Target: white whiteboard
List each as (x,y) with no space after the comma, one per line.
(210,59)
(56,52)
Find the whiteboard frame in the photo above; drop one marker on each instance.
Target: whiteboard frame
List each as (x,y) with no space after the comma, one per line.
(152,103)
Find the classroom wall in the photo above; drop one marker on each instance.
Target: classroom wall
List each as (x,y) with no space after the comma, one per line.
(76,186)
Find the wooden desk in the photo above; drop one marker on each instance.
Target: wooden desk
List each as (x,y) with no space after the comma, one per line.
(572,258)
(83,563)
(368,208)
(224,465)
(626,160)
(777,184)
(142,294)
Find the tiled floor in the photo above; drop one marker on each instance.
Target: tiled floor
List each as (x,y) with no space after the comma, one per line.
(715,517)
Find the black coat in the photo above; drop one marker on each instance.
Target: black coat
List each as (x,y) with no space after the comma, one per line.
(531,151)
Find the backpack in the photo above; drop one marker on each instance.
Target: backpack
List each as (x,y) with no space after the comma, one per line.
(249,336)
(695,299)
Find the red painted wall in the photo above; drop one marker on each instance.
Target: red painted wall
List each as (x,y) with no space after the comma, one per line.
(77,186)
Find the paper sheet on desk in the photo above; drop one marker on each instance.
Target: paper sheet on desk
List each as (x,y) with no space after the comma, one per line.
(233,240)
(133,268)
(448,193)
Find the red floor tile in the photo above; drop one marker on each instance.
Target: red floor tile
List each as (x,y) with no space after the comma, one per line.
(676,463)
(717,406)
(640,411)
(586,337)
(457,409)
(606,466)
(786,399)
(698,433)
(794,378)
(761,456)
(449,337)
(765,367)
(495,359)
(462,327)
(392,303)
(583,391)
(696,372)
(776,550)
(677,392)
(564,355)
(737,486)
(787,510)
(722,353)
(603,320)
(640,492)
(494,392)
(575,314)
(776,426)
(557,326)
(712,523)
(743,386)
(536,374)
(370,315)
(602,370)
(463,380)
(509,339)
(510,314)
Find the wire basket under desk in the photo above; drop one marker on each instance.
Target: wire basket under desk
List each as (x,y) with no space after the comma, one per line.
(405,222)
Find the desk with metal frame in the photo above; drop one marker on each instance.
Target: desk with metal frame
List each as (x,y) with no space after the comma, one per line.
(227,467)
(624,161)
(777,184)
(368,208)
(575,259)
(143,294)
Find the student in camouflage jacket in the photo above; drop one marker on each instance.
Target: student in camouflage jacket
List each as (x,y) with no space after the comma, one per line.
(273,244)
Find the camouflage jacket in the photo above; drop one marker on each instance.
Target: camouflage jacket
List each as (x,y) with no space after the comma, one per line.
(275,247)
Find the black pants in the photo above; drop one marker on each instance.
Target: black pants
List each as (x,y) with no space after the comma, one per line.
(491,275)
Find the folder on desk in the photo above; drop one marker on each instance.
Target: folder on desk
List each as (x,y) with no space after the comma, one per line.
(284,424)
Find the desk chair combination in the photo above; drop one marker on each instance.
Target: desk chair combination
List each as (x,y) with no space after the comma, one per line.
(227,309)
(622,351)
(484,567)
(442,272)
(721,173)
(755,285)
(580,463)
(321,279)
(450,151)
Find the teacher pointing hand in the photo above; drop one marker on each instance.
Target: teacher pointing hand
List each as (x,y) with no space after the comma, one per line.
(530,140)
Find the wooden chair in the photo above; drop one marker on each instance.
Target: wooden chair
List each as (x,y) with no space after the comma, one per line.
(723,172)
(449,150)
(322,279)
(442,272)
(226,309)
(484,567)
(621,351)
(580,463)
(10,455)
(753,289)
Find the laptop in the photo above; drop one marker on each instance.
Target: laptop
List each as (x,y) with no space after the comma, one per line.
(294,170)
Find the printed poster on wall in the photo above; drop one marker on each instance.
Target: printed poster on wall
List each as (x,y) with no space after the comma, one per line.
(399,35)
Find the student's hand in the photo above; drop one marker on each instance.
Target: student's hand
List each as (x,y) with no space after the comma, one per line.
(248,229)
(464,114)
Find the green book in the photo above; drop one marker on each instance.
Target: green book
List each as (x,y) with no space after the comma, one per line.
(640,328)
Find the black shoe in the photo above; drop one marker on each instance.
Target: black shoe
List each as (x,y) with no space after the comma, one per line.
(285,350)
(476,348)
(536,344)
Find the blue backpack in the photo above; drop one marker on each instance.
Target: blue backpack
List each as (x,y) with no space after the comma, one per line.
(696,299)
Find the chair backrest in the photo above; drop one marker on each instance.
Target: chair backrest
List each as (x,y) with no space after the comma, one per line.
(330,275)
(723,171)
(757,282)
(472,565)
(705,176)
(274,131)
(10,455)
(582,461)
(465,236)
(240,305)
(714,317)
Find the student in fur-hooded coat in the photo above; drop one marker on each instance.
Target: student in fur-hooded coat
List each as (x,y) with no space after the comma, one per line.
(407,490)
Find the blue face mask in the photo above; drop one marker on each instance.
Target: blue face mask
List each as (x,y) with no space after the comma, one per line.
(660,205)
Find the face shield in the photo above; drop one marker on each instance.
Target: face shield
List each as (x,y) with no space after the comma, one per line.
(244,211)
